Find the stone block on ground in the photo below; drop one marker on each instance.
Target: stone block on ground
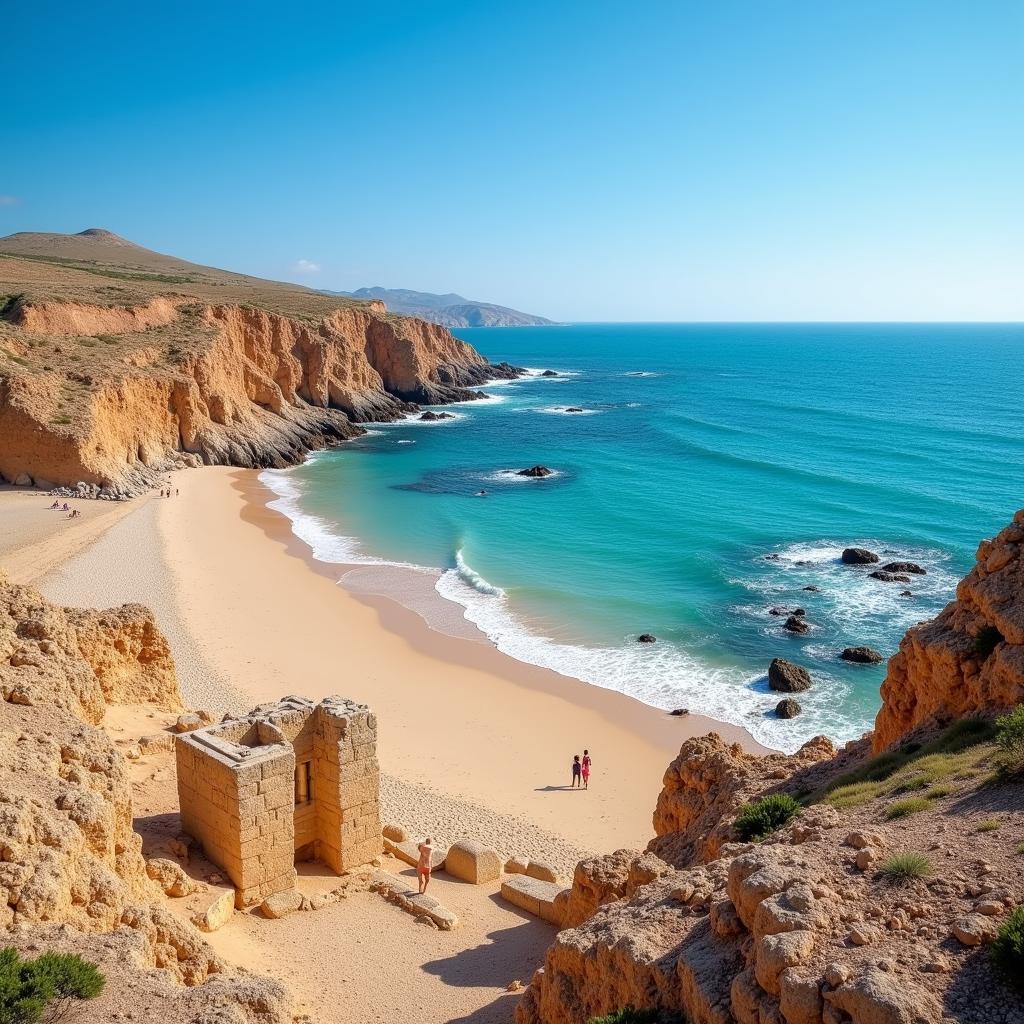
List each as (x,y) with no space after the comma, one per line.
(395,833)
(156,743)
(546,900)
(409,852)
(541,871)
(473,862)
(397,891)
(217,914)
(280,904)
(516,866)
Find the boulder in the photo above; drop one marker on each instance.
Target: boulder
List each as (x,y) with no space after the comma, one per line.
(858,556)
(778,610)
(974,929)
(156,743)
(883,997)
(906,593)
(170,876)
(646,638)
(812,588)
(787,708)
(431,417)
(281,904)
(889,577)
(549,373)
(787,677)
(395,833)
(541,871)
(861,655)
(796,624)
(217,914)
(912,567)
(535,471)
(516,866)
(473,862)
(774,953)
(574,408)
(679,712)
(189,722)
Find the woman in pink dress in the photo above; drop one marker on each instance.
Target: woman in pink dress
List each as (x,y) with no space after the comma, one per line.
(586,769)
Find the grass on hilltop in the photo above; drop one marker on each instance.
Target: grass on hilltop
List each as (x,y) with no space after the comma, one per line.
(904,867)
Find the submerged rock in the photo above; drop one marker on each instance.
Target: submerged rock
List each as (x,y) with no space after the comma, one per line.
(535,471)
(574,408)
(788,677)
(646,638)
(859,556)
(889,577)
(550,373)
(812,588)
(787,708)
(911,567)
(861,655)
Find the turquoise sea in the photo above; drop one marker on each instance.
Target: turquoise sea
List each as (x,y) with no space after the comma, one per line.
(716,471)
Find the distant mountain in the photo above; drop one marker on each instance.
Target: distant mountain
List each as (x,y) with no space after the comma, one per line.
(449,310)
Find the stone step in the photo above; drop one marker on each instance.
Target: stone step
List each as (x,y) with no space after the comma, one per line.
(546,900)
(396,890)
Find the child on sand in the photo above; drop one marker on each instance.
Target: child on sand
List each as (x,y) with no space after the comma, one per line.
(426,849)
(576,770)
(586,769)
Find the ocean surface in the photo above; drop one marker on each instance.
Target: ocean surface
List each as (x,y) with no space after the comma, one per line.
(717,471)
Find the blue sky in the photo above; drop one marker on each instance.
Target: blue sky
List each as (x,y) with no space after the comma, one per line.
(588,161)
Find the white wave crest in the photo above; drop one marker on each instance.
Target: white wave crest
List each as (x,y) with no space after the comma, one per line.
(472,578)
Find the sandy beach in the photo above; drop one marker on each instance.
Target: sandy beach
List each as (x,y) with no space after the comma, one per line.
(471,743)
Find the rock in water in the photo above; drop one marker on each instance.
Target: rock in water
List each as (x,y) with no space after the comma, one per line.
(549,373)
(787,677)
(861,655)
(889,577)
(646,638)
(796,624)
(679,712)
(787,708)
(535,471)
(574,408)
(431,417)
(859,556)
(812,588)
(911,567)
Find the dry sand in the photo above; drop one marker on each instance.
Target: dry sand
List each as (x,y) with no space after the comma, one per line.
(472,743)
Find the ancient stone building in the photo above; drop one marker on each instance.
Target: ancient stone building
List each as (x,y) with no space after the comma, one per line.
(289,782)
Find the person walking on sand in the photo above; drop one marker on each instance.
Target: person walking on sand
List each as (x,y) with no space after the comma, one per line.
(586,769)
(423,865)
(577,769)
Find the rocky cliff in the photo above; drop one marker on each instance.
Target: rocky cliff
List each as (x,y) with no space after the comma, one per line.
(72,874)
(110,385)
(816,924)
(971,656)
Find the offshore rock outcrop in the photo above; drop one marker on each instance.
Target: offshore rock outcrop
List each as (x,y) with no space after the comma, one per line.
(254,388)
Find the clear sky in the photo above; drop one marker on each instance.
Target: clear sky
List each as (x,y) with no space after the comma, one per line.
(584,160)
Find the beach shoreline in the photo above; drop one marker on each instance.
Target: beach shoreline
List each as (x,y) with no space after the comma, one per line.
(252,616)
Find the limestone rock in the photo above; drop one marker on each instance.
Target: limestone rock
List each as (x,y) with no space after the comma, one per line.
(975,929)
(547,900)
(473,862)
(170,877)
(969,659)
(881,997)
(540,870)
(597,881)
(516,866)
(281,904)
(216,914)
(396,833)
(777,952)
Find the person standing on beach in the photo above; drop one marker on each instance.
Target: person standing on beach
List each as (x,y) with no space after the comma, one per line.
(586,769)
(426,849)
(576,770)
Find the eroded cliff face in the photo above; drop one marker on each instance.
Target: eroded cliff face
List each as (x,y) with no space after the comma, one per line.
(970,657)
(71,864)
(251,388)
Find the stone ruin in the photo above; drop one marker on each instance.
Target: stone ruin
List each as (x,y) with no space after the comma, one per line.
(289,782)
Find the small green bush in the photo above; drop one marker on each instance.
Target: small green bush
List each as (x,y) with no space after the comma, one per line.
(1010,741)
(988,826)
(1008,949)
(902,867)
(764,816)
(627,1015)
(44,989)
(902,808)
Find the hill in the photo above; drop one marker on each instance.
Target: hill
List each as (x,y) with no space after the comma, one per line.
(118,363)
(449,310)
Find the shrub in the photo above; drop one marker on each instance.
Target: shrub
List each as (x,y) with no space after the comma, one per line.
(902,808)
(988,826)
(764,816)
(902,867)
(44,989)
(1008,949)
(627,1015)
(1010,741)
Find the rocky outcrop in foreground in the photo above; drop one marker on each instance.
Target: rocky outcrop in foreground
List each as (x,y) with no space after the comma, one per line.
(970,656)
(826,920)
(72,874)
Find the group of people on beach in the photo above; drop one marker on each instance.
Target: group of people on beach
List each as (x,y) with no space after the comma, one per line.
(168,492)
(73,513)
(581,771)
